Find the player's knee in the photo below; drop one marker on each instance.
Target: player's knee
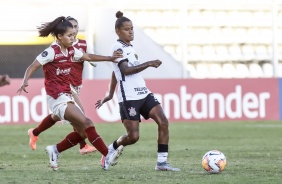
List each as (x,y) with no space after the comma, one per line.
(133,138)
(88,122)
(163,123)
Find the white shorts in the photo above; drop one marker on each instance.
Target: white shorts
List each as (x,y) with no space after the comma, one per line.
(58,106)
(75,89)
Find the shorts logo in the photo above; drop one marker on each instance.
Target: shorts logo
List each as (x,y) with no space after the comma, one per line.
(132,111)
(136,56)
(44,54)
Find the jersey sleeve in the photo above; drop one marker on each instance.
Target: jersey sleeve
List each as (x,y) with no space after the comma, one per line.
(120,49)
(46,56)
(89,49)
(77,54)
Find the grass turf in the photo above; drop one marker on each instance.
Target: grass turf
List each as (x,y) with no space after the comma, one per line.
(253,151)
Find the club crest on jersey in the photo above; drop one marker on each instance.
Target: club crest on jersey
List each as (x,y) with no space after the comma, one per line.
(136,56)
(63,71)
(71,52)
(132,111)
(120,50)
(44,53)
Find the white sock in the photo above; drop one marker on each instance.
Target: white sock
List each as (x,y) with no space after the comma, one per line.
(162,156)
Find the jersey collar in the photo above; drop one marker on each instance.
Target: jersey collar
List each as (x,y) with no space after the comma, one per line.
(123,43)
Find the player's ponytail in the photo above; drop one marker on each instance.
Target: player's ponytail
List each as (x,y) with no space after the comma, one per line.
(120,19)
(57,26)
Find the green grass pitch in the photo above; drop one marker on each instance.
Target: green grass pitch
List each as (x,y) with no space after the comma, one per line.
(253,151)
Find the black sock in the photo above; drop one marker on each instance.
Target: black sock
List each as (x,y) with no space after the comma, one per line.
(115,146)
(162,148)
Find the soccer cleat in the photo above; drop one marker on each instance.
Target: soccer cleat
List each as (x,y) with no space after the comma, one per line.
(53,156)
(111,158)
(87,149)
(32,139)
(164,166)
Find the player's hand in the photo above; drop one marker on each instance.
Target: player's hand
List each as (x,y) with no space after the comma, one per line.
(22,88)
(99,103)
(155,63)
(116,55)
(4,80)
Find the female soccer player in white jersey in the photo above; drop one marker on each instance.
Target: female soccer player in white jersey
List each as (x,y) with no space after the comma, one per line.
(57,60)
(76,85)
(134,97)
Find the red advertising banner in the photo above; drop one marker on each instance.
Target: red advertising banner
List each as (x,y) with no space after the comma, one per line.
(183,100)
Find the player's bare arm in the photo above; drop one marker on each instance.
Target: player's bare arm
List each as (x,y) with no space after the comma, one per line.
(128,70)
(113,84)
(94,57)
(28,73)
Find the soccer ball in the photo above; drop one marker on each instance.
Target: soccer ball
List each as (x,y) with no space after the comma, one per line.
(214,161)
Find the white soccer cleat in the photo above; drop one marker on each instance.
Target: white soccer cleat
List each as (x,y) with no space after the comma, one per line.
(111,158)
(53,157)
(164,166)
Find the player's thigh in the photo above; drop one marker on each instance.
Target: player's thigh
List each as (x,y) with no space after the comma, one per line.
(158,115)
(77,100)
(74,115)
(131,126)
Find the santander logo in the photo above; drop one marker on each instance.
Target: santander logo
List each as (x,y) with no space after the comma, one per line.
(183,105)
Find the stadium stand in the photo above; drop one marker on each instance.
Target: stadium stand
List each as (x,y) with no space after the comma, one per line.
(235,36)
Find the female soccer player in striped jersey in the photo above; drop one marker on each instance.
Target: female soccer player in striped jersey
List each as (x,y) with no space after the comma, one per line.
(57,61)
(76,85)
(134,97)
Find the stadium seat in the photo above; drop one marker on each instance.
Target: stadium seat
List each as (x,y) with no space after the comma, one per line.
(262,53)
(248,53)
(229,70)
(255,70)
(215,71)
(267,69)
(195,53)
(235,53)
(208,53)
(222,54)
(242,70)
(202,71)
(192,71)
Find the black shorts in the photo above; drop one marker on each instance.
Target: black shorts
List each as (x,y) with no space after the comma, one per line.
(132,109)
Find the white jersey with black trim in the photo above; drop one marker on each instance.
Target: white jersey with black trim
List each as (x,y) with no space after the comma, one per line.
(130,87)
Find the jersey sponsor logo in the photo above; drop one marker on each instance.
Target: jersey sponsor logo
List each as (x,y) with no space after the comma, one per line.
(120,50)
(141,90)
(63,71)
(64,60)
(59,55)
(132,111)
(44,53)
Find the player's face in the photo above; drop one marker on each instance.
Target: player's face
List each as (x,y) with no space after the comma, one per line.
(75,27)
(126,32)
(66,39)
